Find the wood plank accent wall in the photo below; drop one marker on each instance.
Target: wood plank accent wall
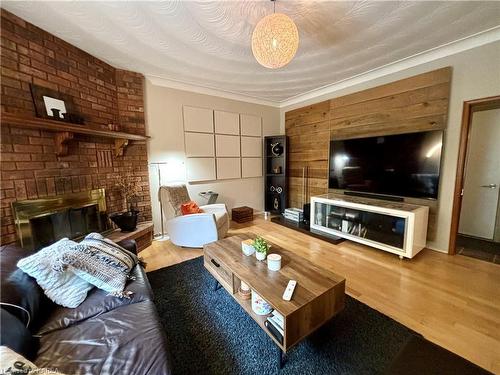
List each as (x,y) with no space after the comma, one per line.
(308,131)
(414,104)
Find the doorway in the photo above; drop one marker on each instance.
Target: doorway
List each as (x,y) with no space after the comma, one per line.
(475,228)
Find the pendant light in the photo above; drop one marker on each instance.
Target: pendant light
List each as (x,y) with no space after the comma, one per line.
(275,40)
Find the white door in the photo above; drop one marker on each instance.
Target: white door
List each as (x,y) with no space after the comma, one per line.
(482,176)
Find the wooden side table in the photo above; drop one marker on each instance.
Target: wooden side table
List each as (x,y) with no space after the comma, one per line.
(242,214)
(143,235)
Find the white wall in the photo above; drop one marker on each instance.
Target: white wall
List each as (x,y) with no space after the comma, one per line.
(164,124)
(476,74)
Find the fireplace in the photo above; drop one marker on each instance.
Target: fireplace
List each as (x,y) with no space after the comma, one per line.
(40,222)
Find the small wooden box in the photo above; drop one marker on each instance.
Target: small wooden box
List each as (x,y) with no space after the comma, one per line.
(242,214)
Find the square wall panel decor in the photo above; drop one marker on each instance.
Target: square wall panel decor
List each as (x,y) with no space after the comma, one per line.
(227,123)
(251,125)
(251,147)
(199,144)
(227,145)
(198,120)
(251,167)
(200,169)
(228,168)
(221,145)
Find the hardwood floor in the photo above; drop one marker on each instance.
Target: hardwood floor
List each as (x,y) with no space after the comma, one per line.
(453,301)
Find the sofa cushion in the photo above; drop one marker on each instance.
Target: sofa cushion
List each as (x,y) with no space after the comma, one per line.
(173,196)
(99,302)
(20,294)
(15,335)
(127,340)
(101,262)
(64,287)
(190,208)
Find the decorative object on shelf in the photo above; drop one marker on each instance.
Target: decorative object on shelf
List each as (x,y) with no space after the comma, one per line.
(276,149)
(261,248)
(242,214)
(56,113)
(274,262)
(210,196)
(275,40)
(244,291)
(54,105)
(276,204)
(276,189)
(260,305)
(277,170)
(247,248)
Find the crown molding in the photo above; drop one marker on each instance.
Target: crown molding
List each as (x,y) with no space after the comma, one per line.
(198,89)
(476,40)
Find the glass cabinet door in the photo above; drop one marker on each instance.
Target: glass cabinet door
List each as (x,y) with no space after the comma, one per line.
(386,229)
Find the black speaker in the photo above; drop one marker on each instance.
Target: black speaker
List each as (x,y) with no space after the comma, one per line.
(307,213)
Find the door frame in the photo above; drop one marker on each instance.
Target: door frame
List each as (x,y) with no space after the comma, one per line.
(469,108)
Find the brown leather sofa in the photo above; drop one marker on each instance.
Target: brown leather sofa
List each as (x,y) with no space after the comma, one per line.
(104,335)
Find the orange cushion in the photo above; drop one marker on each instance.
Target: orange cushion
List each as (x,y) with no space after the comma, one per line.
(190,208)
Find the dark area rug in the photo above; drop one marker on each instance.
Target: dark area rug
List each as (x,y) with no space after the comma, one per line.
(209,333)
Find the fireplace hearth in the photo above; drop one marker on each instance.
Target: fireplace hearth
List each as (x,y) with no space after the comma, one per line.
(40,222)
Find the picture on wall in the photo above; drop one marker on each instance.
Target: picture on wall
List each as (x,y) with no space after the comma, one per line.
(54,105)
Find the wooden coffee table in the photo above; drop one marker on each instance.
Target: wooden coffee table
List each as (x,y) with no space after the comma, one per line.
(318,296)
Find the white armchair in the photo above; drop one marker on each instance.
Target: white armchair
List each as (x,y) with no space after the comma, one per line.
(193,230)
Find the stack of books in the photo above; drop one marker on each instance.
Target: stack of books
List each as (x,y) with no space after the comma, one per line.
(294,214)
(275,323)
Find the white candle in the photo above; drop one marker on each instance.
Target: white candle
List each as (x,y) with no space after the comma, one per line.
(274,262)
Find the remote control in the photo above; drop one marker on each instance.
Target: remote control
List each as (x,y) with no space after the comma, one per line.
(287,296)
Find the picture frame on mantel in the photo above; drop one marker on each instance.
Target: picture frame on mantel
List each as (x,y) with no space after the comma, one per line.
(54,105)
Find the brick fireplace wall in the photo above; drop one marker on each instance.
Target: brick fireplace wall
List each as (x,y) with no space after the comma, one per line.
(101,93)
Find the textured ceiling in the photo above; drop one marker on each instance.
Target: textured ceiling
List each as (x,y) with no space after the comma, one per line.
(208,43)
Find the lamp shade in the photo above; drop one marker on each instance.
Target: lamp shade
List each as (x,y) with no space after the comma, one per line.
(275,40)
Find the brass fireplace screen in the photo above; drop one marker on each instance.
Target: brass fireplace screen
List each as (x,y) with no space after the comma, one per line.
(40,222)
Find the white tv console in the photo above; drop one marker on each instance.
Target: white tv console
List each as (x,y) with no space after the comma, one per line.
(397,227)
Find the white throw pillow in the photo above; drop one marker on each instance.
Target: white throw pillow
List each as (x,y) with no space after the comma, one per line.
(101,262)
(63,286)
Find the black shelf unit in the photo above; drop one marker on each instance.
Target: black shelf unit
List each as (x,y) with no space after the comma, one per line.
(275,184)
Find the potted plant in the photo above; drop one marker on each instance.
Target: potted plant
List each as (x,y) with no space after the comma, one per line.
(261,248)
(127,221)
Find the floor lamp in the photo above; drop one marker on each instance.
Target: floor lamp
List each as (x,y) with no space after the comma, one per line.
(158,165)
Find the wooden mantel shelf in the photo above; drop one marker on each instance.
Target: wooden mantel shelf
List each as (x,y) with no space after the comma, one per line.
(66,130)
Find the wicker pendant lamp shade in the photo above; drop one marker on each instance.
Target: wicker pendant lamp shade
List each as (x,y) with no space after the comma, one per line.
(275,41)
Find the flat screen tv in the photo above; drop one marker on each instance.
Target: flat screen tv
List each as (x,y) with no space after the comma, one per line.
(403,165)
